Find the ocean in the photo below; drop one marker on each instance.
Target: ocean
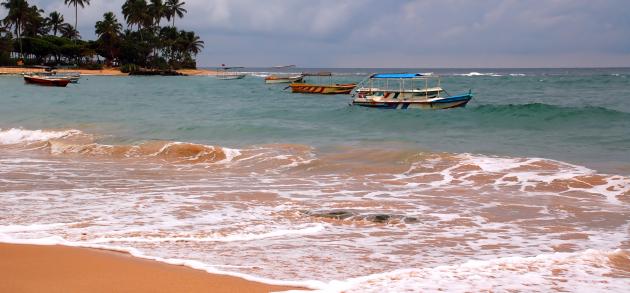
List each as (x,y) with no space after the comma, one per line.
(526,189)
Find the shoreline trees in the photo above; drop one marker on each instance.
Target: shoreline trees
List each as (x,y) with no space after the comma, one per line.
(27,33)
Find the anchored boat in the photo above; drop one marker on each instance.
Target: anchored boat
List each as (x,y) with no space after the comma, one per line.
(73,77)
(47,81)
(319,88)
(406,91)
(284,78)
(225,74)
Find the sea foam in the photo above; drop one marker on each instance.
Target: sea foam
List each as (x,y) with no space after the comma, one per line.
(17,135)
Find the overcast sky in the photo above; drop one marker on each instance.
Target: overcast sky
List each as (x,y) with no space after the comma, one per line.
(397,33)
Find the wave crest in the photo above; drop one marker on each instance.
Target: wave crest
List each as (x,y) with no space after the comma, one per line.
(20,136)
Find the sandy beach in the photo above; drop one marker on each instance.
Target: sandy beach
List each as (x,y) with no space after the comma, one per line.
(33,268)
(104,72)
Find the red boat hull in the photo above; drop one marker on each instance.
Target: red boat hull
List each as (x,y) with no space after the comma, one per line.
(47,81)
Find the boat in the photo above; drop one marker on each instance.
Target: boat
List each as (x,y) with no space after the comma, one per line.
(74,77)
(225,74)
(284,78)
(406,91)
(47,81)
(319,88)
(283,66)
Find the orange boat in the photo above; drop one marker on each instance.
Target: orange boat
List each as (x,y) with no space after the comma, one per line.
(330,89)
(47,81)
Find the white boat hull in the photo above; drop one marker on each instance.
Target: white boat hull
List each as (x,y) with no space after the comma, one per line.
(231,76)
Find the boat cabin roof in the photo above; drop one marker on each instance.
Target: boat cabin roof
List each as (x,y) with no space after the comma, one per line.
(394,90)
(400,75)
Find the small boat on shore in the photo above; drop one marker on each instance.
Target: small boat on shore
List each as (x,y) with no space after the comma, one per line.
(46,80)
(322,89)
(406,91)
(284,78)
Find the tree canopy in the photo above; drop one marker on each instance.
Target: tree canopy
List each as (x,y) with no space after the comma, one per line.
(28,33)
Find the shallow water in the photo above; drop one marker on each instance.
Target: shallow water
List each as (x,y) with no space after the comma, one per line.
(527,189)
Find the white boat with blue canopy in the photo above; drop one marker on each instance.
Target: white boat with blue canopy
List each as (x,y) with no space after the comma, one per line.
(406,91)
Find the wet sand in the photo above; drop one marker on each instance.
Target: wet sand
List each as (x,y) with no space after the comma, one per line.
(34,268)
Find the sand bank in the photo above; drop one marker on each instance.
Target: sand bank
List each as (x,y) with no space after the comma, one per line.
(106,71)
(33,268)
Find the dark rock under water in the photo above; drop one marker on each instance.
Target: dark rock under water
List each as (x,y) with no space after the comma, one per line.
(359,216)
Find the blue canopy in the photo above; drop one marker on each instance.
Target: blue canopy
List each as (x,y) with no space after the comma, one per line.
(398,75)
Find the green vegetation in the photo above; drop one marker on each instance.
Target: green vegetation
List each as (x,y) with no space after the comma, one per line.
(28,35)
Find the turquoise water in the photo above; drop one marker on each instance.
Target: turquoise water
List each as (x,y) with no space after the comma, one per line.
(290,189)
(575,115)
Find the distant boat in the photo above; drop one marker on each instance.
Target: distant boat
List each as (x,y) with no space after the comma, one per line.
(46,81)
(284,78)
(406,91)
(283,66)
(323,89)
(225,74)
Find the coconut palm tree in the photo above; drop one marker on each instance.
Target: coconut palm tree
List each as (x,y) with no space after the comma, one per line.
(34,23)
(55,20)
(76,4)
(157,10)
(191,43)
(68,31)
(135,13)
(174,8)
(108,27)
(17,17)
(108,31)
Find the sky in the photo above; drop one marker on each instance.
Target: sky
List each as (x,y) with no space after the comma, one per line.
(396,33)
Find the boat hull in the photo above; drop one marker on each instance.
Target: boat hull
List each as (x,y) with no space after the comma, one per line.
(231,76)
(304,88)
(58,82)
(275,80)
(433,104)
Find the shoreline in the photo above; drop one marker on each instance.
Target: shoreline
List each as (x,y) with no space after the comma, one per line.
(10,70)
(56,268)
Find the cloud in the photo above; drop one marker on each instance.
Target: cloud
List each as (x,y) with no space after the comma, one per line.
(398,32)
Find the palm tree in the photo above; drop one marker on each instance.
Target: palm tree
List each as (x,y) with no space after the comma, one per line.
(34,23)
(174,9)
(191,43)
(108,31)
(17,17)
(55,20)
(76,4)
(68,31)
(157,10)
(135,13)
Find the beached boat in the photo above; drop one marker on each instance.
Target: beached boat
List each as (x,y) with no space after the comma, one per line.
(47,81)
(406,91)
(226,74)
(284,78)
(319,88)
